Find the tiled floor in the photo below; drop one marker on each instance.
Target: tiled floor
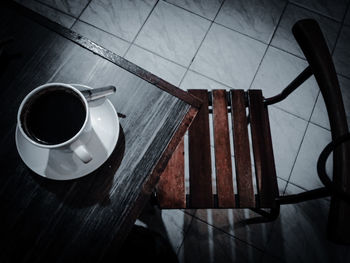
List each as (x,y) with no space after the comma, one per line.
(233,44)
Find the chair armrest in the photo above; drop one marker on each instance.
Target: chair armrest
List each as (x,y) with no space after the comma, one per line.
(303,76)
(311,41)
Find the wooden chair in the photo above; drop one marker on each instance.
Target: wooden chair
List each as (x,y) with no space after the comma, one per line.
(250,107)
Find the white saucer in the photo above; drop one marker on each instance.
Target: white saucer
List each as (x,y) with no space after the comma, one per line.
(105,124)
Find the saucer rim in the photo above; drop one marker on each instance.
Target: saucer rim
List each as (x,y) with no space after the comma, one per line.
(77,175)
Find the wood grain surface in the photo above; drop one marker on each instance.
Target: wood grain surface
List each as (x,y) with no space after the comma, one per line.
(242,150)
(199,156)
(262,148)
(223,166)
(171,186)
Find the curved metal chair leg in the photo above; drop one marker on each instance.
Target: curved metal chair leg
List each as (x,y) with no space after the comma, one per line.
(265,216)
(271,215)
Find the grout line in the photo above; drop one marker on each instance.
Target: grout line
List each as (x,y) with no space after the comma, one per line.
(189,10)
(336,40)
(288,52)
(295,185)
(243,34)
(258,68)
(278,23)
(268,45)
(200,45)
(320,126)
(82,11)
(296,157)
(154,53)
(100,29)
(314,11)
(343,76)
(227,233)
(290,113)
(301,143)
(53,8)
(127,50)
(282,179)
(340,29)
(185,234)
(302,188)
(138,32)
(219,82)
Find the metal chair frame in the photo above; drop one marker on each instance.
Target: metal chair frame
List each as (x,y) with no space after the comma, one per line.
(310,39)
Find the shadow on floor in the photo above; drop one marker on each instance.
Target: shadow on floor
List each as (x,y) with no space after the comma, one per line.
(218,235)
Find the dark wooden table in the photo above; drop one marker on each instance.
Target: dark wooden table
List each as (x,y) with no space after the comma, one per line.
(80,220)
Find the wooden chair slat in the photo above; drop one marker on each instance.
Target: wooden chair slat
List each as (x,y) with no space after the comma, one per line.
(241,149)
(171,185)
(223,166)
(263,151)
(199,156)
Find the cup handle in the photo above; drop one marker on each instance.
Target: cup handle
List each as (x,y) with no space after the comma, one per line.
(80,150)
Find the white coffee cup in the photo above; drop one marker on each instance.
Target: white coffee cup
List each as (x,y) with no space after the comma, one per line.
(76,143)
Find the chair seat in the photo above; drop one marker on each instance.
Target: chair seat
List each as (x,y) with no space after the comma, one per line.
(249,115)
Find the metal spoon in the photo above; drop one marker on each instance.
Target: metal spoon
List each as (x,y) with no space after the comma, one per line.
(94,94)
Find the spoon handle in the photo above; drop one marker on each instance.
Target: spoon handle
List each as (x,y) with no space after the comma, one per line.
(94,94)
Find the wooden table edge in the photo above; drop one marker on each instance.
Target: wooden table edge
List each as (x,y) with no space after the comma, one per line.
(153,178)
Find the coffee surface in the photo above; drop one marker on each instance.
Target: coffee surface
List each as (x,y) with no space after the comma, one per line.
(54,116)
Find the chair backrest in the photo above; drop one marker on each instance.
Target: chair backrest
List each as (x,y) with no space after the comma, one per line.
(310,39)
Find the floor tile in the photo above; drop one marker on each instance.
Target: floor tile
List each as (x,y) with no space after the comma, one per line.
(299,235)
(123,18)
(229,57)
(173,33)
(236,223)
(341,54)
(304,173)
(171,224)
(50,13)
(73,8)
(284,38)
(277,70)
(205,8)
(320,116)
(331,8)
(157,65)
(112,43)
(293,189)
(287,132)
(194,80)
(203,243)
(254,18)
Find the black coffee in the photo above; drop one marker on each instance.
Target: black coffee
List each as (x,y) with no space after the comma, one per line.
(53,116)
